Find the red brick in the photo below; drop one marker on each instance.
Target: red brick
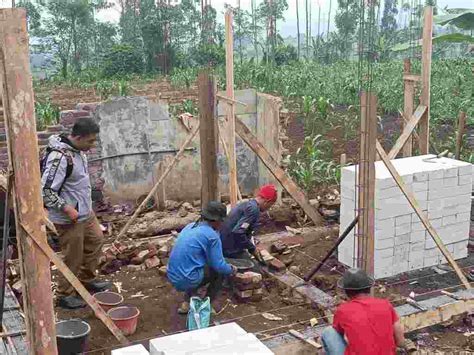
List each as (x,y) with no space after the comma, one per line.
(152,262)
(164,251)
(277,265)
(248,277)
(87,106)
(250,286)
(70,117)
(140,258)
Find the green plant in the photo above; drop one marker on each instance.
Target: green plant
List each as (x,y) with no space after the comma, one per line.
(104,89)
(47,114)
(189,107)
(123,88)
(122,60)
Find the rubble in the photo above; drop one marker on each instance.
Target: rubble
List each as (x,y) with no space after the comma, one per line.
(248,286)
(277,265)
(152,262)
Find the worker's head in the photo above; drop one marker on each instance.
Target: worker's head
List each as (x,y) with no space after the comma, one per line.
(84,134)
(214,213)
(266,197)
(356,282)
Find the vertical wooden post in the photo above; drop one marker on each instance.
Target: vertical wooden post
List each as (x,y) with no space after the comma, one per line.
(229,53)
(208,137)
(343,159)
(426,79)
(365,230)
(408,107)
(160,194)
(19,110)
(460,133)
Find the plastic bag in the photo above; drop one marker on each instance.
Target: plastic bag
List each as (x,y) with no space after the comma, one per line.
(199,315)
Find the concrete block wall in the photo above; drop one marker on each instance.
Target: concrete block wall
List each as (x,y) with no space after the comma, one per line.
(443,191)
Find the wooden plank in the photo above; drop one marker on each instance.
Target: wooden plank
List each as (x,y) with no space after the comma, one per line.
(168,169)
(18,102)
(208,138)
(427,48)
(424,219)
(231,101)
(407,131)
(226,152)
(408,105)
(160,195)
(366,224)
(74,281)
(307,290)
(282,177)
(460,133)
(411,77)
(229,65)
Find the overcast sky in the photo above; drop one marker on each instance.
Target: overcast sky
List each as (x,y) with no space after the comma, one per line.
(288,27)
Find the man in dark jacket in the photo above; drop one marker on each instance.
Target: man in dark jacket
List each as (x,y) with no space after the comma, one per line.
(196,260)
(67,197)
(237,229)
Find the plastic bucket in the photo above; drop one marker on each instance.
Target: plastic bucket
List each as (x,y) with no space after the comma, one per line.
(71,336)
(108,299)
(125,318)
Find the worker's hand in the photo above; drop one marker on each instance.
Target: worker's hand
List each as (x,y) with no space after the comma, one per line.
(71,212)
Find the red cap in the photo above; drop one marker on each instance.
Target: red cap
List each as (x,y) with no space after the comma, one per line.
(268,192)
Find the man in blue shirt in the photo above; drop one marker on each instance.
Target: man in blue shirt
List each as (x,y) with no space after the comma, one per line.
(237,229)
(196,259)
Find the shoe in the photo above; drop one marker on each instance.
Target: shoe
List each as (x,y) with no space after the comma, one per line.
(183,308)
(98,286)
(71,302)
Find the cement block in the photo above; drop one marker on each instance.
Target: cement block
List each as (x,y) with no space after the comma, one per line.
(400,220)
(465,170)
(385,253)
(435,214)
(385,234)
(131,350)
(463,217)
(417,227)
(402,239)
(436,174)
(384,243)
(463,207)
(420,176)
(449,220)
(387,193)
(380,273)
(383,262)
(420,186)
(402,266)
(417,237)
(435,184)
(401,252)
(403,229)
(464,180)
(418,247)
(385,224)
(452,172)
(381,184)
(245,345)
(416,264)
(451,181)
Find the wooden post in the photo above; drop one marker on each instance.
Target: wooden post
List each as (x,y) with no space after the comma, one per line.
(366,225)
(208,138)
(408,107)
(426,79)
(160,195)
(19,109)
(460,133)
(343,159)
(229,54)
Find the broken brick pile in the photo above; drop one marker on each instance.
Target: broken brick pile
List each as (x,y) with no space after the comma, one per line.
(148,255)
(248,286)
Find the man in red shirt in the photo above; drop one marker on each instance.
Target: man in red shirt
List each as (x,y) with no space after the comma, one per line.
(363,325)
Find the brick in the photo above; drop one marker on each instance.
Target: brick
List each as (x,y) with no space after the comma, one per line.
(451,182)
(70,117)
(140,258)
(247,277)
(278,247)
(164,251)
(243,295)
(402,239)
(436,174)
(152,262)
(266,256)
(250,286)
(403,229)
(87,106)
(406,219)
(277,265)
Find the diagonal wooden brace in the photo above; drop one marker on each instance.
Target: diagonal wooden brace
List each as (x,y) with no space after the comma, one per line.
(74,281)
(409,127)
(424,219)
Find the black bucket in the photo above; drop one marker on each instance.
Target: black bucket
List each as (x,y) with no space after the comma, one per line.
(71,336)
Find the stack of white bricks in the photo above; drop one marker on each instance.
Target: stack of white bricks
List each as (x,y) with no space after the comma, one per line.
(442,188)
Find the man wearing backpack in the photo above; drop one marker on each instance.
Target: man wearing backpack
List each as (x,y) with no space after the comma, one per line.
(67,191)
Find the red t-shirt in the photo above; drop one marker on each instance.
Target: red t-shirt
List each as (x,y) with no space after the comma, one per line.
(367,323)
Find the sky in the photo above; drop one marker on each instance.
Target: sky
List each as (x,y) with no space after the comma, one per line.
(286,28)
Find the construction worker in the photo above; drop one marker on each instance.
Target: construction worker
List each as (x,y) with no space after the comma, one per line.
(363,325)
(237,229)
(196,264)
(66,192)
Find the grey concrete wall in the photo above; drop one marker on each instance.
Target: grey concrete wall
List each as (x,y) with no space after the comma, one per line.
(136,124)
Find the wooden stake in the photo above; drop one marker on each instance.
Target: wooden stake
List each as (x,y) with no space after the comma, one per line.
(421,215)
(226,152)
(343,159)
(244,132)
(460,133)
(19,109)
(409,96)
(157,185)
(74,281)
(229,53)
(366,225)
(208,138)
(426,78)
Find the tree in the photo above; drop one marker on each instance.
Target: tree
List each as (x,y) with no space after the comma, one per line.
(388,26)
(346,19)
(270,11)
(298,28)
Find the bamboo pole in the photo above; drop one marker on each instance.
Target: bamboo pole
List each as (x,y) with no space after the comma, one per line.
(408,105)
(460,133)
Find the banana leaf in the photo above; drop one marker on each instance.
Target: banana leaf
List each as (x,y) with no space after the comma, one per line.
(463,20)
(449,37)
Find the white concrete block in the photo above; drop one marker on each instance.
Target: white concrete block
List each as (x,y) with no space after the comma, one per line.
(465,189)
(131,350)
(385,224)
(182,343)
(436,174)
(385,253)
(435,214)
(451,172)
(463,217)
(465,180)
(449,220)
(415,248)
(384,243)
(247,344)
(402,239)
(420,176)
(435,205)
(432,261)
(465,170)
(420,186)
(451,181)
(385,233)
(417,237)
(403,229)
(435,184)
(387,193)
(381,184)
(402,266)
(416,264)
(382,272)
(463,207)
(404,219)
(401,252)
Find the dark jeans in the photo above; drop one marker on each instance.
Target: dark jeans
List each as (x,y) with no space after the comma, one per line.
(212,279)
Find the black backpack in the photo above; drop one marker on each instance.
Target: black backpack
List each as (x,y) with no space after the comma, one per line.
(44,159)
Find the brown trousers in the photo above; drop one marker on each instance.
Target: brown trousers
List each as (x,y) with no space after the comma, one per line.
(81,245)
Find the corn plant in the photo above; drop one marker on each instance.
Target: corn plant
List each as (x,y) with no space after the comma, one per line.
(47,114)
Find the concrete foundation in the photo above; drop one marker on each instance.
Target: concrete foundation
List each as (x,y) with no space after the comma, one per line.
(442,188)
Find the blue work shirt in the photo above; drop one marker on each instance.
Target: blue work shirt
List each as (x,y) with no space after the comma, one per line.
(197,245)
(236,230)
